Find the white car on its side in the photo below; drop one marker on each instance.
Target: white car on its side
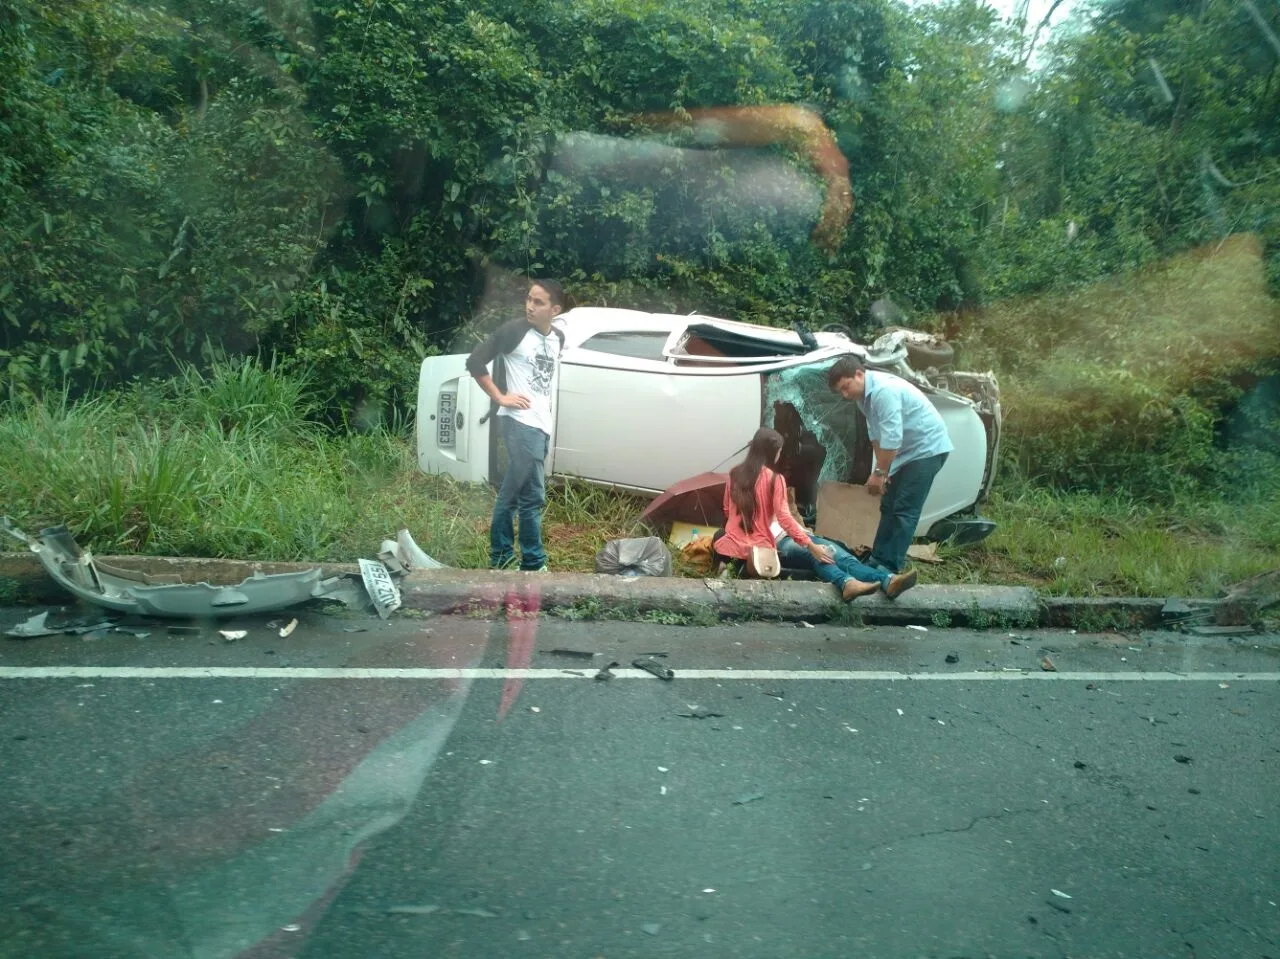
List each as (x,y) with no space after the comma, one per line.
(644,400)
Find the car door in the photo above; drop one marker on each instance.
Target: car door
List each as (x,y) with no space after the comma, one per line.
(628,417)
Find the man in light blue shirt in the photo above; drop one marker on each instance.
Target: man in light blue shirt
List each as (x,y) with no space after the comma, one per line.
(910,442)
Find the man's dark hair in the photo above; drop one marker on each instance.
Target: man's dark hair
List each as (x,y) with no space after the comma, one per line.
(845,368)
(554,290)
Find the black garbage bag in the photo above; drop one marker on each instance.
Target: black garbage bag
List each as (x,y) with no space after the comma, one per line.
(647,556)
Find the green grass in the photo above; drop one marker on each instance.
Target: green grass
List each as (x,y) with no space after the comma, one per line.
(1079,544)
(225,465)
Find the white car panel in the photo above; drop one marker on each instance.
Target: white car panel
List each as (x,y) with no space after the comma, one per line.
(468,458)
(646,430)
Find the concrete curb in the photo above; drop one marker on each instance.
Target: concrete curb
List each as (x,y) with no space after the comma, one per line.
(447,591)
(699,600)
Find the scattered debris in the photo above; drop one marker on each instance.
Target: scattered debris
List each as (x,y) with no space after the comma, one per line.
(1059,893)
(383,590)
(355,629)
(413,910)
(698,712)
(654,667)
(776,694)
(1046,664)
(805,625)
(919,629)
(134,631)
(901,713)
(80,629)
(924,552)
(131,591)
(953,657)
(656,655)
(573,653)
(482,913)
(652,928)
(749,798)
(288,628)
(231,635)
(535,709)
(33,628)
(1175,609)
(1181,758)
(604,674)
(522,936)
(347,590)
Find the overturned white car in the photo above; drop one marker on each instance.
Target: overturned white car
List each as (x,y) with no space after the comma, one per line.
(644,400)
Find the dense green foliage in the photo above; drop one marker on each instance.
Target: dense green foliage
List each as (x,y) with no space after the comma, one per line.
(346,184)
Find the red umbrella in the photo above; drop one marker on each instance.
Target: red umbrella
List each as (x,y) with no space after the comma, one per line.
(698,499)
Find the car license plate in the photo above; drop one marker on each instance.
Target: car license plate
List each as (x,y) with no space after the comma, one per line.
(445,435)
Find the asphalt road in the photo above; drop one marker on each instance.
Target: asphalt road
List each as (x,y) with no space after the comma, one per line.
(454,787)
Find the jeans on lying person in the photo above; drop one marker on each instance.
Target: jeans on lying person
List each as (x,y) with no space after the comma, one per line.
(846,567)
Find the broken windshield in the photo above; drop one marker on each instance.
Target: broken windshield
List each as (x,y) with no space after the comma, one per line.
(824,436)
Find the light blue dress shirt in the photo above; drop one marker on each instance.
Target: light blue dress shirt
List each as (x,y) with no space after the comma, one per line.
(900,417)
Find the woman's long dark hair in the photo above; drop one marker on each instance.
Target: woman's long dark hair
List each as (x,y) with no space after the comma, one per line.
(742,478)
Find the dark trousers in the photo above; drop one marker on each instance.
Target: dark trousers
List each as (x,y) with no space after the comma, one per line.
(900,508)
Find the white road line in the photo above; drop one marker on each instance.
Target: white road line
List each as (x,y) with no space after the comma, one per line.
(351,672)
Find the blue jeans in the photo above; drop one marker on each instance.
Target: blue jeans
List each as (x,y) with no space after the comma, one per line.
(524,491)
(900,507)
(846,567)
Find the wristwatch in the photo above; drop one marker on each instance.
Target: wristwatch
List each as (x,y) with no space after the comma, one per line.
(877,471)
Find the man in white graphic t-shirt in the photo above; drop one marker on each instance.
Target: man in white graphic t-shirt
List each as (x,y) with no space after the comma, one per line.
(527,351)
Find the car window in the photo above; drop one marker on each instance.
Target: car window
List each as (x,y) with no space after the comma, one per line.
(639,344)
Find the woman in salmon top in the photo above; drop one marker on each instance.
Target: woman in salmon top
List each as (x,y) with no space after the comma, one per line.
(754,498)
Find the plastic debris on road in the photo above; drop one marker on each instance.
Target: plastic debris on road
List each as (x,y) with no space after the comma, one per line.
(33,628)
(288,628)
(1059,893)
(656,668)
(698,712)
(382,589)
(231,635)
(919,629)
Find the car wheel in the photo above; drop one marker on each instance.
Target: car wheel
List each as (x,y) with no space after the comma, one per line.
(940,355)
